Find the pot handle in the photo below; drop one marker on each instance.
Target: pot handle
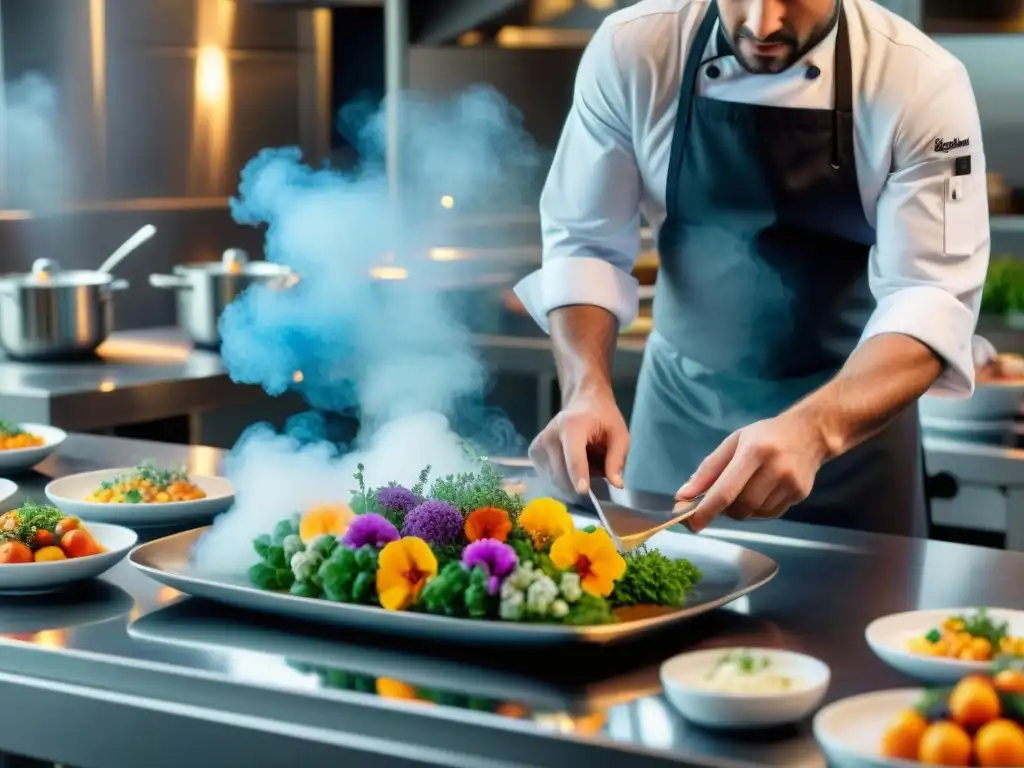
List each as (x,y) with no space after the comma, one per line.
(115,285)
(173,282)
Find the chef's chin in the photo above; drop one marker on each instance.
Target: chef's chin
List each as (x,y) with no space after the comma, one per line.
(762,63)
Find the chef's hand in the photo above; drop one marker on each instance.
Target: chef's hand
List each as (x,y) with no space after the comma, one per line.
(589,428)
(758,471)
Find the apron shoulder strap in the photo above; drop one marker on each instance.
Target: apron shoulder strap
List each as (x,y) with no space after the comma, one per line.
(686,91)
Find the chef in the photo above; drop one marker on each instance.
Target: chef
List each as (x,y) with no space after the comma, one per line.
(815,175)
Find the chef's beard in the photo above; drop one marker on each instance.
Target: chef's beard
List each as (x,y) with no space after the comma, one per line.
(795,49)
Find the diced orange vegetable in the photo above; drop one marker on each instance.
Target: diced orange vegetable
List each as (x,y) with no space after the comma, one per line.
(999,743)
(79,543)
(974,702)
(65,525)
(1010,681)
(15,552)
(43,538)
(9,520)
(945,743)
(49,555)
(331,519)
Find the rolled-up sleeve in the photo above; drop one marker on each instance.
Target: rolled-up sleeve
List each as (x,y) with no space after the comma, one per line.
(590,206)
(928,266)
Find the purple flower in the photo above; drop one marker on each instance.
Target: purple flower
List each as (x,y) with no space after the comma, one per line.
(436,522)
(369,529)
(495,557)
(397,498)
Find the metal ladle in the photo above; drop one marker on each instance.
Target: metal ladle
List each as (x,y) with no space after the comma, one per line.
(129,245)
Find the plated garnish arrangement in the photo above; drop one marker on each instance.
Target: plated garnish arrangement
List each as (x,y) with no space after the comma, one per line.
(144,496)
(147,484)
(40,533)
(24,445)
(14,436)
(744,688)
(976,722)
(941,646)
(465,547)
(42,549)
(969,637)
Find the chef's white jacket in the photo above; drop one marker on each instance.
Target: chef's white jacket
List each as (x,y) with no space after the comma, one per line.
(914,113)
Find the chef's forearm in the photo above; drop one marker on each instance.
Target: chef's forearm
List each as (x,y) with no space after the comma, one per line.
(583,338)
(885,375)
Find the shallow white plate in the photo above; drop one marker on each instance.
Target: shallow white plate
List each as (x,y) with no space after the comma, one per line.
(69,494)
(7,491)
(29,578)
(22,459)
(850,731)
(681,678)
(889,636)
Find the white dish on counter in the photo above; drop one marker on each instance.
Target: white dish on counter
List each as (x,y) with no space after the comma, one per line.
(850,730)
(33,578)
(22,459)
(889,638)
(69,494)
(685,682)
(8,489)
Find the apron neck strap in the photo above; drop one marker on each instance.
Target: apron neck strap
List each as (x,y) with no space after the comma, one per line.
(842,70)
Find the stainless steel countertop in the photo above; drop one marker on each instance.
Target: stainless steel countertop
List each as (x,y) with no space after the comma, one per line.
(141,677)
(145,375)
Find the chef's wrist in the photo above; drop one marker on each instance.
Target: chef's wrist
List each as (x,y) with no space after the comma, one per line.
(824,426)
(596,389)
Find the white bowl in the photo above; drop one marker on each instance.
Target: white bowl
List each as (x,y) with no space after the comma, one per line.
(8,489)
(850,730)
(69,494)
(31,578)
(22,459)
(681,678)
(889,636)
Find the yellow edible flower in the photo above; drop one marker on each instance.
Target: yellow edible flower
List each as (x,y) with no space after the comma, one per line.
(545,520)
(403,567)
(594,557)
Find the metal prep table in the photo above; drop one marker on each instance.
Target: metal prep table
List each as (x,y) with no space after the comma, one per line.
(139,679)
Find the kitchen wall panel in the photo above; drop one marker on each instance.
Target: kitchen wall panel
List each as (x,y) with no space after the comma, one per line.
(140,158)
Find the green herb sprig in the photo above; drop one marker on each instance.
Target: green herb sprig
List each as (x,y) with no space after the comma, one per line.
(654,579)
(10,428)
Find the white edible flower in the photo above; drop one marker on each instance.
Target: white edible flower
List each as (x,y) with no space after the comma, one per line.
(559,609)
(570,587)
(508,589)
(511,606)
(523,576)
(291,546)
(540,595)
(305,564)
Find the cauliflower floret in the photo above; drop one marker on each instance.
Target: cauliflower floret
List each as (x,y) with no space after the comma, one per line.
(511,606)
(305,564)
(540,595)
(292,545)
(570,587)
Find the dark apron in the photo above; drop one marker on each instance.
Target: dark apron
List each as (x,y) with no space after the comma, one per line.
(762,295)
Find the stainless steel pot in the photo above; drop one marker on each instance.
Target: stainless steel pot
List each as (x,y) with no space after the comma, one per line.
(205,289)
(49,314)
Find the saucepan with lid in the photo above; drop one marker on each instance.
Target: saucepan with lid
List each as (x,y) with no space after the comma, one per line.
(205,288)
(54,314)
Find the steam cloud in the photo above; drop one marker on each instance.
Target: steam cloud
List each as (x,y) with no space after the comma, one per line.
(391,350)
(33,153)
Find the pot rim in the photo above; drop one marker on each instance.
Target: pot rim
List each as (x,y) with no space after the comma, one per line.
(65,278)
(216,268)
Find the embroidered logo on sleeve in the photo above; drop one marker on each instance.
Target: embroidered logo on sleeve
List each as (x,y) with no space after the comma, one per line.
(941,145)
